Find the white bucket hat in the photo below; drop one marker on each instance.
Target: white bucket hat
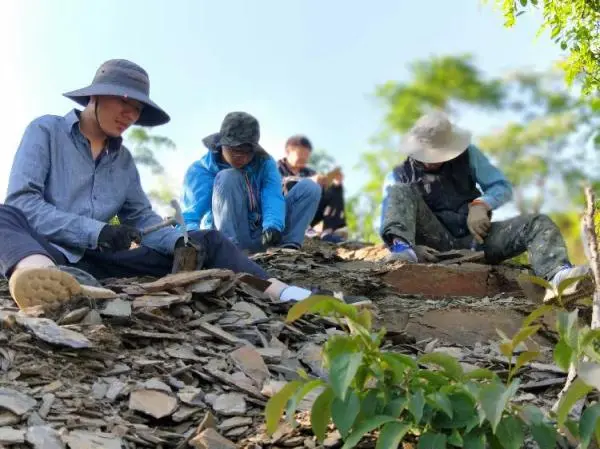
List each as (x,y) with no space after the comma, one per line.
(434,139)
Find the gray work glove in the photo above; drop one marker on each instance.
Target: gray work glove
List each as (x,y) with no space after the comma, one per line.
(426,254)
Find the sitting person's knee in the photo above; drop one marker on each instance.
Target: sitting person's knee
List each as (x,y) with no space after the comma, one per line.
(12,211)
(229,176)
(309,188)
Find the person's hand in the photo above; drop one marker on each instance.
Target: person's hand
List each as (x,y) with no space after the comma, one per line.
(200,251)
(118,237)
(271,237)
(426,254)
(478,221)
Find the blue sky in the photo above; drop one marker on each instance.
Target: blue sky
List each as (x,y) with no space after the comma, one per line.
(299,66)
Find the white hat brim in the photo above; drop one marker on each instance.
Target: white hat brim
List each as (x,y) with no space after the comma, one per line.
(429,154)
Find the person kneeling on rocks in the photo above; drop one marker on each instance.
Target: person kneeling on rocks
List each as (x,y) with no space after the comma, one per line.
(70,176)
(236,188)
(432,203)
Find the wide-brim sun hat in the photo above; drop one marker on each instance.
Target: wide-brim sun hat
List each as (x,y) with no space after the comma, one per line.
(435,139)
(123,78)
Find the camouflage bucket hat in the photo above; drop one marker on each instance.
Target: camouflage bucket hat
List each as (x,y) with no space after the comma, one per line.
(238,128)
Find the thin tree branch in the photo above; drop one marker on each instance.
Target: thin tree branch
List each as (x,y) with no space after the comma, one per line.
(592,241)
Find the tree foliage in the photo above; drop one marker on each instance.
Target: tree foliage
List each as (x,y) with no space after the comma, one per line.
(575,26)
(144,148)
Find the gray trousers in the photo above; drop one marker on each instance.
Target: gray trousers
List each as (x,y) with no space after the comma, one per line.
(409,218)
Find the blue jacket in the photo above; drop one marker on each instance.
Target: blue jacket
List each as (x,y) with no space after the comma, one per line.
(198,190)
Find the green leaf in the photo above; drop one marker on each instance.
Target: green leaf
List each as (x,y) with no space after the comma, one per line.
(323,305)
(538,281)
(365,319)
(481,373)
(368,406)
(567,327)
(543,432)
(537,313)
(342,370)
(523,3)
(435,379)
(321,413)
(590,337)
(395,407)
(416,403)
(298,396)
(578,390)
(440,401)
(507,348)
(590,373)
(567,283)
(563,354)
(589,425)
(455,439)
(449,364)
(526,357)
(277,403)
(365,427)
(432,440)
(524,333)
(391,435)
(474,440)
(394,358)
(510,432)
(464,413)
(494,399)
(344,413)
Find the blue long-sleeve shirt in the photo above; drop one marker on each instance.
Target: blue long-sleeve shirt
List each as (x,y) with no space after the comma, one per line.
(68,197)
(496,189)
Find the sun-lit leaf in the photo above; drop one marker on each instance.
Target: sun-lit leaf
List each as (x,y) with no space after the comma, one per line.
(590,336)
(391,435)
(299,395)
(342,370)
(481,373)
(449,364)
(435,379)
(526,357)
(321,413)
(320,304)
(365,427)
(432,440)
(276,404)
(494,399)
(563,355)
(567,283)
(537,280)
(577,390)
(589,425)
(524,333)
(543,432)
(365,319)
(537,313)
(416,402)
(507,348)
(510,432)
(344,412)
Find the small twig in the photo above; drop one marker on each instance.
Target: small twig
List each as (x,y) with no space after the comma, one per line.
(592,241)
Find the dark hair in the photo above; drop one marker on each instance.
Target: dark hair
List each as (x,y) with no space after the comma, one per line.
(299,141)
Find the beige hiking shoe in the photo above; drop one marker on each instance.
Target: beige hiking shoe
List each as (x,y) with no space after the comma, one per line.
(50,287)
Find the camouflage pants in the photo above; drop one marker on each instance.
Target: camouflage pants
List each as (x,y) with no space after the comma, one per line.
(409,218)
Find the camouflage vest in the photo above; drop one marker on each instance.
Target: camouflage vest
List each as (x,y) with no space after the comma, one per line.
(447,192)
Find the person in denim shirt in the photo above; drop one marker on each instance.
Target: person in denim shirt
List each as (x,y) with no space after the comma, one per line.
(432,202)
(236,188)
(70,176)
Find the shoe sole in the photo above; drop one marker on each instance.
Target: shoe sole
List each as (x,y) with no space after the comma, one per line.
(49,287)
